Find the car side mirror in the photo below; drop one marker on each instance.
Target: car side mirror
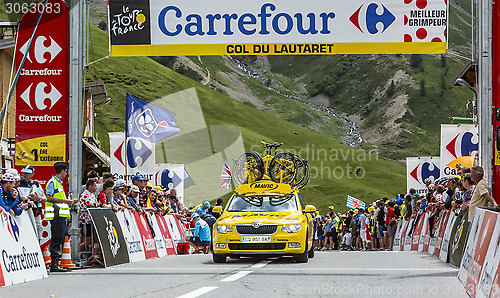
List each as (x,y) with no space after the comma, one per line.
(309,208)
(217,209)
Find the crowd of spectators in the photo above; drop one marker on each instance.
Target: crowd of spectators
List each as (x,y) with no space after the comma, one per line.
(374,227)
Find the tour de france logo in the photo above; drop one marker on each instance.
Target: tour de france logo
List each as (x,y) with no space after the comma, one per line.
(112,237)
(130,22)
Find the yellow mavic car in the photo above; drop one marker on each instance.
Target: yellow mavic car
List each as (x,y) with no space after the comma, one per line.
(265,218)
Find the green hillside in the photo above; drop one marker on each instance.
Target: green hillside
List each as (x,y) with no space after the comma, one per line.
(331,163)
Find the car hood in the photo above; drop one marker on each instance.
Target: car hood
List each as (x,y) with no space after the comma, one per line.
(232,218)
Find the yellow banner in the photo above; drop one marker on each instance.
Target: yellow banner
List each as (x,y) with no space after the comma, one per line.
(43,151)
(280,49)
(497,155)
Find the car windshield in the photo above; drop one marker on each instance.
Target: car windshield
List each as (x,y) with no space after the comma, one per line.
(262,203)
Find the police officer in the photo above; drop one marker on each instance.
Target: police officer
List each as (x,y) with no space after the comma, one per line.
(57,211)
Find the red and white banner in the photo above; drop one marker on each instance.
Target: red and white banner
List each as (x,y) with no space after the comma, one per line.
(415,240)
(424,234)
(480,250)
(42,89)
(22,259)
(160,242)
(173,229)
(406,237)
(443,222)
(445,244)
(169,243)
(147,239)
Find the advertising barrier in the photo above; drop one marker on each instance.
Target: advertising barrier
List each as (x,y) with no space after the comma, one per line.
(424,234)
(407,236)
(110,236)
(131,235)
(458,238)
(147,239)
(443,222)
(443,255)
(21,258)
(160,243)
(173,229)
(481,248)
(169,243)
(396,245)
(417,231)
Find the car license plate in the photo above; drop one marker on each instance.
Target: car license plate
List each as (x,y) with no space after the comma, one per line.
(256,239)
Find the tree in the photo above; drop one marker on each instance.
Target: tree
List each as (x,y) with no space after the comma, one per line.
(422,88)
(391,89)
(103,25)
(415,60)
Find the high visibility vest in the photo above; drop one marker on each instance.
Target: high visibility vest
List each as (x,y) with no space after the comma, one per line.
(336,222)
(58,194)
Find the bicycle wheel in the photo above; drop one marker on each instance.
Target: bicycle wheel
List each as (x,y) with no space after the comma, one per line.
(283,168)
(249,167)
(303,173)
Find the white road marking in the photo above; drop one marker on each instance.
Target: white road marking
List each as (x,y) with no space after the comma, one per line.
(236,276)
(198,292)
(261,264)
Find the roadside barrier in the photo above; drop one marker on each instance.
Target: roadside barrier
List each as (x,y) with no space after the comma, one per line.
(123,237)
(473,247)
(132,237)
(21,259)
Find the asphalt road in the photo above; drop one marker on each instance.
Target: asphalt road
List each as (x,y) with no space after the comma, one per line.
(329,274)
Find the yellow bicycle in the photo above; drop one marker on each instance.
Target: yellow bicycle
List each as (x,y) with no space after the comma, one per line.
(282,167)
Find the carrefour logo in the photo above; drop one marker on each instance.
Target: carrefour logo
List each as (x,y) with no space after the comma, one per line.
(369,18)
(13,228)
(463,144)
(425,170)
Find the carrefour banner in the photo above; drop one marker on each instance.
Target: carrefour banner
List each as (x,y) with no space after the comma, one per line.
(277,27)
(21,259)
(419,169)
(459,146)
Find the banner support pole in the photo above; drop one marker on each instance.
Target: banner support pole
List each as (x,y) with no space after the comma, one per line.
(75,158)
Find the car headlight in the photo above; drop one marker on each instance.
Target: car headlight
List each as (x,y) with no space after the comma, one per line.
(291,228)
(223,229)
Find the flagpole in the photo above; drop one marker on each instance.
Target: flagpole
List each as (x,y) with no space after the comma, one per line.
(218,189)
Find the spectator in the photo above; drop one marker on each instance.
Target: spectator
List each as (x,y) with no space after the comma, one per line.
(201,234)
(468,184)
(107,189)
(381,225)
(9,197)
(219,202)
(481,195)
(391,224)
(87,200)
(362,220)
(100,186)
(36,195)
(133,198)
(203,209)
(328,233)
(118,197)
